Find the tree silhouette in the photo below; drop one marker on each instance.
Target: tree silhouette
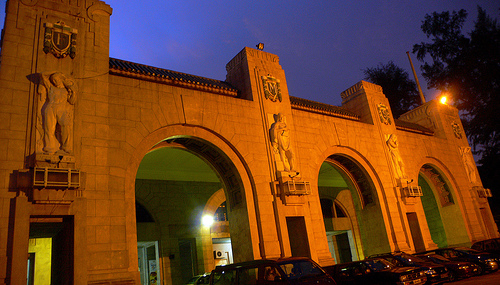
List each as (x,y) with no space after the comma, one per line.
(399,89)
(468,67)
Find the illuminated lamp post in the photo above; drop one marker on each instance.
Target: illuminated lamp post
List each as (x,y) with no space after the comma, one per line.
(207,221)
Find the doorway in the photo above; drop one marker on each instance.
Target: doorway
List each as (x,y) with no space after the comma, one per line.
(51,250)
(297,234)
(149,262)
(416,233)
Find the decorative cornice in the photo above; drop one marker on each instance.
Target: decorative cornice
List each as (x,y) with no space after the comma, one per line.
(265,56)
(98,6)
(362,85)
(421,111)
(250,52)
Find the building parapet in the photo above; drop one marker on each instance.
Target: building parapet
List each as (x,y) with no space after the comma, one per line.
(165,76)
(320,108)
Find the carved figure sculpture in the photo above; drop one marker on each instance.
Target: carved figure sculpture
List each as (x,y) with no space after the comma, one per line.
(59,94)
(280,140)
(469,163)
(397,161)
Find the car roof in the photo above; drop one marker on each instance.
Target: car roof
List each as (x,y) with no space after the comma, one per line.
(354,262)
(381,255)
(258,262)
(246,263)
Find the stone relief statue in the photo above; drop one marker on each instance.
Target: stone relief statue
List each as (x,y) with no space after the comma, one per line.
(397,161)
(57,93)
(469,163)
(281,143)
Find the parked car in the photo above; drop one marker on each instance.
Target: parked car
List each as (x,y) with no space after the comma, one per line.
(292,270)
(375,271)
(487,262)
(457,269)
(199,279)
(489,245)
(435,273)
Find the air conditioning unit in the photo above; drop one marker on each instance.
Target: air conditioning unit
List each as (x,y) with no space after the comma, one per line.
(296,188)
(218,254)
(413,191)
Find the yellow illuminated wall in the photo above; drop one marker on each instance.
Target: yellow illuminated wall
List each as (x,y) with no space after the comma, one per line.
(42,248)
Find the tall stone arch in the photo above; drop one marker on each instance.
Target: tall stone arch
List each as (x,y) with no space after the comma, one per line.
(367,190)
(232,170)
(442,204)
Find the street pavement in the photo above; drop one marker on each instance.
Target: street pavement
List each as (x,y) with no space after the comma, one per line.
(487,279)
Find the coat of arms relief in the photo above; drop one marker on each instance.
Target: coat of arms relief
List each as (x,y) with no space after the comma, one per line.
(60,40)
(385,115)
(272,89)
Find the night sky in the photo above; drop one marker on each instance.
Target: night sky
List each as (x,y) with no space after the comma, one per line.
(323,45)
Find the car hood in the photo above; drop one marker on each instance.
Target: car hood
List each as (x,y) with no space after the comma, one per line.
(428,264)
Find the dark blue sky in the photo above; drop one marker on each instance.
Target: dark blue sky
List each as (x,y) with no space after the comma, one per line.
(323,45)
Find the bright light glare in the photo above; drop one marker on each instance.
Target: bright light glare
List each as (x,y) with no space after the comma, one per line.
(443,99)
(207,220)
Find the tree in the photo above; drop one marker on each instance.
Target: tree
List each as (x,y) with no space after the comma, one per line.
(400,90)
(468,67)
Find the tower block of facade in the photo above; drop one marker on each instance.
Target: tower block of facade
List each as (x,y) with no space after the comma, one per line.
(109,167)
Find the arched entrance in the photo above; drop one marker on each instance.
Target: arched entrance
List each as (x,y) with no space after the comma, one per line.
(440,207)
(175,186)
(348,196)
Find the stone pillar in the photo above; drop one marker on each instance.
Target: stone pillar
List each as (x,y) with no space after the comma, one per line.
(368,100)
(282,191)
(20,208)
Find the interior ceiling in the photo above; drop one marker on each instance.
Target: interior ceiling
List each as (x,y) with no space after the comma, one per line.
(168,163)
(177,164)
(330,177)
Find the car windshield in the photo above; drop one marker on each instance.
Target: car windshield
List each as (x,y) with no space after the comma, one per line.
(295,269)
(378,264)
(410,259)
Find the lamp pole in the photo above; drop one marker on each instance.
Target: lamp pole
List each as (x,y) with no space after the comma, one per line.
(422,98)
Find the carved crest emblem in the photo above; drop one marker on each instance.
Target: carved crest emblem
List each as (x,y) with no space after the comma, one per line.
(272,89)
(456,130)
(385,115)
(60,40)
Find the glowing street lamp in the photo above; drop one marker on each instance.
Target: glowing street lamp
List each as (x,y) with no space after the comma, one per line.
(207,220)
(443,99)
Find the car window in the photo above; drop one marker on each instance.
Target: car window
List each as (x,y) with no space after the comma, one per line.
(489,245)
(248,276)
(347,270)
(225,277)
(449,253)
(479,246)
(394,261)
(296,269)
(378,264)
(271,273)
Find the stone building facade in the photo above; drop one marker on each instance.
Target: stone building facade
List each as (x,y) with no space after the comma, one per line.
(84,137)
